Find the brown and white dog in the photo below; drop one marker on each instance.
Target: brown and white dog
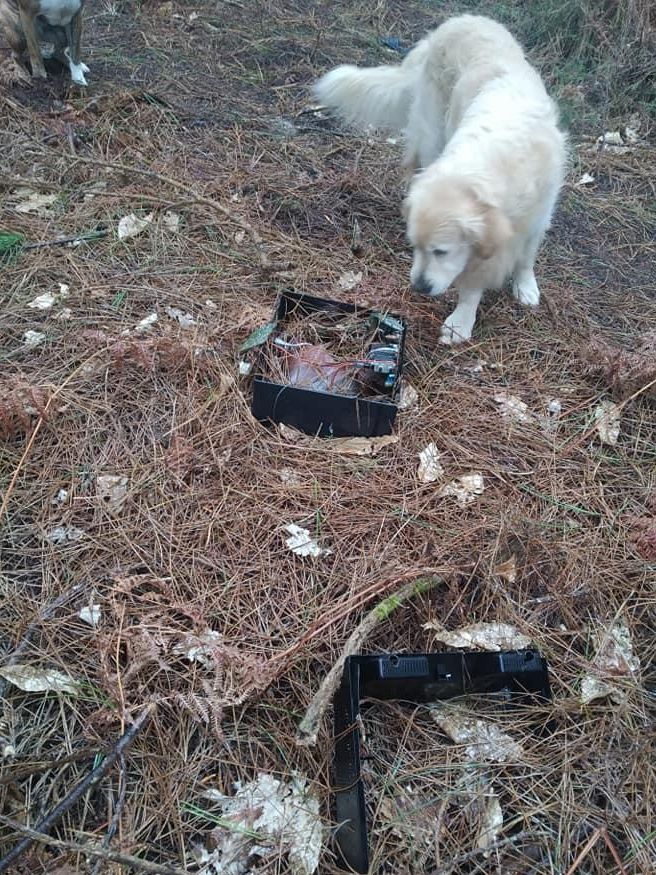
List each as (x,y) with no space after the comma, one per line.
(28,23)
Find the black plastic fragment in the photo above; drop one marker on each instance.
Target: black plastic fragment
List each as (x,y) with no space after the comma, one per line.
(415,677)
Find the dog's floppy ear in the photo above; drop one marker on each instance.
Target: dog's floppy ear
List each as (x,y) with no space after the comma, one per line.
(494,233)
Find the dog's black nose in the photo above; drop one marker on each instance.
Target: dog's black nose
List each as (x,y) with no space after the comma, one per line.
(422,286)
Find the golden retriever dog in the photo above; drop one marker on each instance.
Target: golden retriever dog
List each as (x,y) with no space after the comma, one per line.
(29,23)
(482,139)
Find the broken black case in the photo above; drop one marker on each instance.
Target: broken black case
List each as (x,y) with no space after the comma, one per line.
(521,676)
(325,414)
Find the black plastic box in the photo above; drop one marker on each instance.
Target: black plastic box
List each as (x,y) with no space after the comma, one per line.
(324,413)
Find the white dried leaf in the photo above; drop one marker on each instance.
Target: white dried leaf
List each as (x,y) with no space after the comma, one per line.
(349,280)
(607,418)
(61,497)
(91,614)
(209,303)
(430,469)
(555,407)
(513,408)
(408,396)
(491,822)
(65,534)
(239,237)
(464,489)
(43,302)
(245,368)
(611,138)
(186,320)
(32,339)
(302,543)
(586,179)
(64,291)
(111,490)
(612,141)
(132,225)
(171,221)
(33,202)
(484,741)
(614,661)
(291,478)
(146,323)
(200,648)
(268,816)
(481,636)
(35,679)
(64,314)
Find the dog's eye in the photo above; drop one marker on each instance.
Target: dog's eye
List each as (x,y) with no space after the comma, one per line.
(438,253)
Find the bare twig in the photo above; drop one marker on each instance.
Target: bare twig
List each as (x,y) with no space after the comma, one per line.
(476,852)
(308,729)
(613,850)
(587,847)
(73,238)
(33,835)
(118,811)
(343,610)
(83,787)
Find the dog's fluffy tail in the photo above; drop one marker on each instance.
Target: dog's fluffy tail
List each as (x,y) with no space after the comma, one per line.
(377,96)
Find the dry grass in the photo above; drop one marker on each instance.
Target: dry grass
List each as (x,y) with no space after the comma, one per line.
(198,542)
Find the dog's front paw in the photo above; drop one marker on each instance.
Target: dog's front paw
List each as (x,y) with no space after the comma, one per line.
(525,289)
(455,330)
(84,67)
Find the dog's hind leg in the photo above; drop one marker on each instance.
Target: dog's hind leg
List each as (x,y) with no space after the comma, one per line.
(33,47)
(459,325)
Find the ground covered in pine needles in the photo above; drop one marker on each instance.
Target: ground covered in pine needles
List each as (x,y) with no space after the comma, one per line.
(143,550)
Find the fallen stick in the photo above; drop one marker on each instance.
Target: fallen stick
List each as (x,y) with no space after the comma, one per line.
(308,730)
(116,817)
(589,845)
(88,783)
(93,850)
(85,236)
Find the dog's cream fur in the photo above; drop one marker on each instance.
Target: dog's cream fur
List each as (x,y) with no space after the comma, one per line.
(489,160)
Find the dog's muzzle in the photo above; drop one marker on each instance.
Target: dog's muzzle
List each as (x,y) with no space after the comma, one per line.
(422,286)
